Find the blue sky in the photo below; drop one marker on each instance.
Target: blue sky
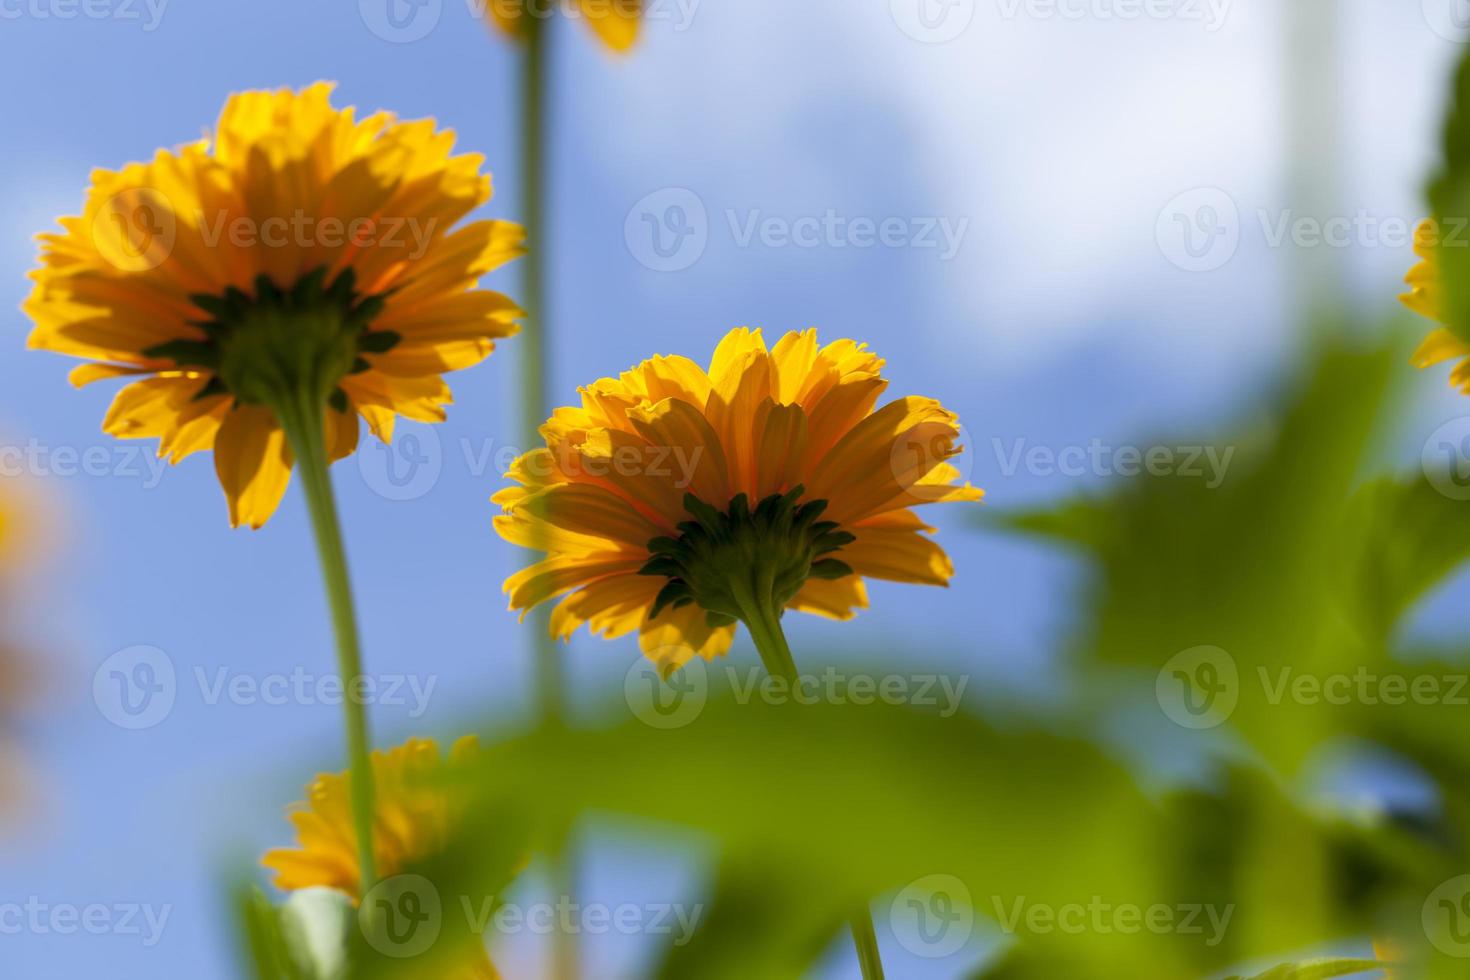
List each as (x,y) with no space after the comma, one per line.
(1025,167)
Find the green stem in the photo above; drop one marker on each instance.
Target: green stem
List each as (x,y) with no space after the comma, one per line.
(533,343)
(866,941)
(302,418)
(533,339)
(763,620)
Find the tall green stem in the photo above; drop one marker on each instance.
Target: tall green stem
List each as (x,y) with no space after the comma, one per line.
(533,343)
(866,941)
(302,418)
(533,340)
(763,620)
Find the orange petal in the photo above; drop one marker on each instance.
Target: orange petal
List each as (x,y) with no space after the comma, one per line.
(253,463)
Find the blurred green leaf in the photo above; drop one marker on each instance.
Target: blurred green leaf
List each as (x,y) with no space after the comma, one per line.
(1449,200)
(1402,538)
(762,921)
(264,946)
(1317,970)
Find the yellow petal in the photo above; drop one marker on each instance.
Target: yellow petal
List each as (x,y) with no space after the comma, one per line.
(1440,345)
(898,556)
(833,598)
(611,607)
(253,463)
(554,576)
(615,21)
(681,634)
(683,430)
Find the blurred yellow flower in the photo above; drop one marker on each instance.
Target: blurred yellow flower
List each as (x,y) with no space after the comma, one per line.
(415,819)
(298,259)
(676,501)
(615,21)
(1426,297)
(20,514)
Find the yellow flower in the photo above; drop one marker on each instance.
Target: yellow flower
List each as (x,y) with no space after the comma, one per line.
(415,820)
(677,501)
(23,528)
(1426,297)
(298,257)
(615,21)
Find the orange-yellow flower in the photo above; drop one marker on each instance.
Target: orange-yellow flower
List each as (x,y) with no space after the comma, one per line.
(1426,297)
(676,501)
(415,819)
(615,21)
(298,257)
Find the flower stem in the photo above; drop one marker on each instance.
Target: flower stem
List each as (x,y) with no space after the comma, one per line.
(302,418)
(533,343)
(533,340)
(866,941)
(764,622)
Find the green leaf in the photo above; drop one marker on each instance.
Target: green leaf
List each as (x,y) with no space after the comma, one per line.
(1320,969)
(760,922)
(1449,199)
(1403,538)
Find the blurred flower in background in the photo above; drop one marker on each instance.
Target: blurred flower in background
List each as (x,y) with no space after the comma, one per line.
(301,254)
(22,531)
(615,21)
(416,817)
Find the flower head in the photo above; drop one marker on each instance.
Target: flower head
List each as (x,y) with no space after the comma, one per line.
(676,501)
(1426,297)
(414,819)
(615,21)
(298,254)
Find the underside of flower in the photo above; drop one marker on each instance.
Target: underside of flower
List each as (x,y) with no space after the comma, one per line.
(735,563)
(282,344)
(676,500)
(300,252)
